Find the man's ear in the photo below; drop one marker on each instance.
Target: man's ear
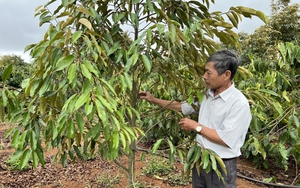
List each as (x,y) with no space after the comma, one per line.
(227,74)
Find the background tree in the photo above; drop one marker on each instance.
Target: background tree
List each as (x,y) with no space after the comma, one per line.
(20,69)
(283,26)
(13,71)
(82,98)
(273,137)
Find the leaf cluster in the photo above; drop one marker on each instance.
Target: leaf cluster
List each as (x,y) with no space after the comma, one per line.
(274,97)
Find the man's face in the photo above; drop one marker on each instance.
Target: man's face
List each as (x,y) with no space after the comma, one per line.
(211,77)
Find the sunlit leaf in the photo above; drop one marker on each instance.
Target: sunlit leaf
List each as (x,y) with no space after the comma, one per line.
(85,71)
(76,35)
(63,62)
(72,72)
(7,72)
(81,100)
(86,23)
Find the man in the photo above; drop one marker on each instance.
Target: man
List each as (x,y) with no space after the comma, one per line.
(223,121)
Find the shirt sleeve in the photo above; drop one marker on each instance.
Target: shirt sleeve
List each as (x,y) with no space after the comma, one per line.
(235,126)
(188,109)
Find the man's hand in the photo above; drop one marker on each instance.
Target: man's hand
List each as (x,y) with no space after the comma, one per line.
(146,95)
(188,124)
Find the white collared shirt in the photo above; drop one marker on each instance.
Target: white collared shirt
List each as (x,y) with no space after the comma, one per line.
(229,114)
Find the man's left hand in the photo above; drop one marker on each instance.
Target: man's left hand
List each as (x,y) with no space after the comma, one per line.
(188,124)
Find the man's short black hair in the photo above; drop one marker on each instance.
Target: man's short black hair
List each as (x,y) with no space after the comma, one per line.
(224,60)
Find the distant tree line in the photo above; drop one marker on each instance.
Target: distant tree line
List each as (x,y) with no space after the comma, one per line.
(20,70)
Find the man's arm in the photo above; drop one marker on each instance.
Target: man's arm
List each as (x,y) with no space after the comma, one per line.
(170,105)
(210,134)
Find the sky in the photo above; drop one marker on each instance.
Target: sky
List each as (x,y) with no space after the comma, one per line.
(20,28)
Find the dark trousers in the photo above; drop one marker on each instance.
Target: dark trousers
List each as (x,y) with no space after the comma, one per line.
(211,179)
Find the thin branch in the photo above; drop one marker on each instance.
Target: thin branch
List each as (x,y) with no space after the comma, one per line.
(121,165)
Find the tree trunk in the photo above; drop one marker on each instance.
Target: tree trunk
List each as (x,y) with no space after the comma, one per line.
(131,166)
(2,111)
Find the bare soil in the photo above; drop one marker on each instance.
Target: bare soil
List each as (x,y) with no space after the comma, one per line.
(93,173)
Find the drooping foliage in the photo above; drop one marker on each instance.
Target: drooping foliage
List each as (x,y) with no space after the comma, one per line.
(275,128)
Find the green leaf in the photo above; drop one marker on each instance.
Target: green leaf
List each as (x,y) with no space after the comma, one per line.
(9,132)
(114,48)
(180,155)
(35,159)
(205,159)
(85,11)
(115,140)
(15,139)
(269,92)
(284,95)
(233,20)
(4,98)
(53,130)
(101,112)
(191,153)
(106,104)
(150,5)
(81,100)
(172,147)
(94,132)
(22,139)
(71,129)
(40,154)
(76,35)
(91,68)
(45,19)
(7,72)
(117,17)
(25,158)
(64,158)
(149,37)
(85,71)
(213,162)
(123,139)
(221,163)
(296,120)
(36,52)
(283,152)
(156,145)
(278,107)
(134,20)
(259,148)
(131,61)
(63,62)
(72,73)
(33,140)
(128,80)
(80,122)
(123,83)
(65,2)
(197,154)
(26,118)
(147,62)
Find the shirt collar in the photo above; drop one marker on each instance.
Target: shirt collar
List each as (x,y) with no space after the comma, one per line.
(225,94)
